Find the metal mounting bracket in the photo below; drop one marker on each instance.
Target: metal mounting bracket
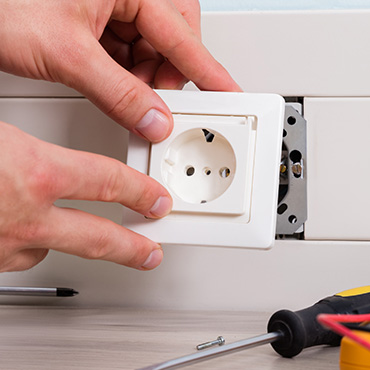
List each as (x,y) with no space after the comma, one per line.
(292,202)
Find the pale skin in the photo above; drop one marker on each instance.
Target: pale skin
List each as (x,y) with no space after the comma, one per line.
(113,52)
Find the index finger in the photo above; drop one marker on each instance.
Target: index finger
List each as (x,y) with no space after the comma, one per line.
(81,175)
(162,25)
(190,10)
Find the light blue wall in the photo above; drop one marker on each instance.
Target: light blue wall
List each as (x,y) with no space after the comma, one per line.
(219,5)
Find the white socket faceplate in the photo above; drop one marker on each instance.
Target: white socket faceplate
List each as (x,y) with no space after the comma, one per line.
(221,166)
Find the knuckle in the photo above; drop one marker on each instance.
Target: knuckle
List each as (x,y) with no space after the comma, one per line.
(99,248)
(132,189)
(191,10)
(31,233)
(112,186)
(42,181)
(188,6)
(173,47)
(145,199)
(122,97)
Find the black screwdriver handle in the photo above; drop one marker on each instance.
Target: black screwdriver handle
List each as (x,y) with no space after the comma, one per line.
(300,329)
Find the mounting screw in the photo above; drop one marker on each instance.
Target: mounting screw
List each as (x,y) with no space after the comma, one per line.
(220,341)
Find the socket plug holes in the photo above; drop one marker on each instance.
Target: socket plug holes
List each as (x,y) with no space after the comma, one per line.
(190,170)
(199,165)
(224,172)
(207,171)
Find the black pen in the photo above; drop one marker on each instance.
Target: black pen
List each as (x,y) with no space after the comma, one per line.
(36,291)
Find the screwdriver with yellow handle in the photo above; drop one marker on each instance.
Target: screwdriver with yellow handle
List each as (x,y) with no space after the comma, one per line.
(289,332)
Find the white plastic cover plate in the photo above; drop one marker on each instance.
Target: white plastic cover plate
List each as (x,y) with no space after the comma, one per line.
(221,166)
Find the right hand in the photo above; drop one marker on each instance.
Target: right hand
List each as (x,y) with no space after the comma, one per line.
(34,174)
(110,50)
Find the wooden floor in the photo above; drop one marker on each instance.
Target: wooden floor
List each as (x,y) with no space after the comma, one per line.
(75,338)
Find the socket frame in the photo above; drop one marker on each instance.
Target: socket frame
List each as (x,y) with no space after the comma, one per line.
(253,229)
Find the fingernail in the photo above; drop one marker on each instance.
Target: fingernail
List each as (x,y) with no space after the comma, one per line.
(154,125)
(161,207)
(154,259)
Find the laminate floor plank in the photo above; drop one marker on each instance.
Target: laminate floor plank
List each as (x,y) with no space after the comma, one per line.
(39,337)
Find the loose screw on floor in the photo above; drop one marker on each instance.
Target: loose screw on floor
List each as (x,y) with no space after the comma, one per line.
(220,341)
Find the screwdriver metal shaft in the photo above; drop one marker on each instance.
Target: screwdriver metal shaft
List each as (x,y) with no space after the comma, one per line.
(217,352)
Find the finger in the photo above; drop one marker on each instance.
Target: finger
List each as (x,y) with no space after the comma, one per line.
(81,175)
(139,58)
(88,236)
(190,10)
(24,260)
(117,92)
(119,50)
(169,77)
(146,71)
(125,31)
(142,51)
(166,75)
(171,35)
(146,61)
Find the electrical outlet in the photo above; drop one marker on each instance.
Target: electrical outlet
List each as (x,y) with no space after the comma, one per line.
(221,166)
(198,163)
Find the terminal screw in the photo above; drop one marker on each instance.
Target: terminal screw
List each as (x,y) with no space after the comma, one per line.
(220,341)
(297,169)
(282,168)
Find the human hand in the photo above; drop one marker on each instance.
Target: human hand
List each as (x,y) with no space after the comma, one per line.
(59,41)
(34,174)
(141,42)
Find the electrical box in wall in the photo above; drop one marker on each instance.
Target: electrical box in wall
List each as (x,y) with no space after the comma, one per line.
(292,201)
(221,166)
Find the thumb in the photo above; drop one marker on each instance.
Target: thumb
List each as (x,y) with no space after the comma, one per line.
(118,93)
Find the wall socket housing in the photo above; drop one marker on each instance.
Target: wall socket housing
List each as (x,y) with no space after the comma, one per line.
(221,166)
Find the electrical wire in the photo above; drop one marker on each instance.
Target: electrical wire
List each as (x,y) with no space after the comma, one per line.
(333,322)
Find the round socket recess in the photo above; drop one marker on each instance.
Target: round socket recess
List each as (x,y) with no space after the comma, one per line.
(199,165)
